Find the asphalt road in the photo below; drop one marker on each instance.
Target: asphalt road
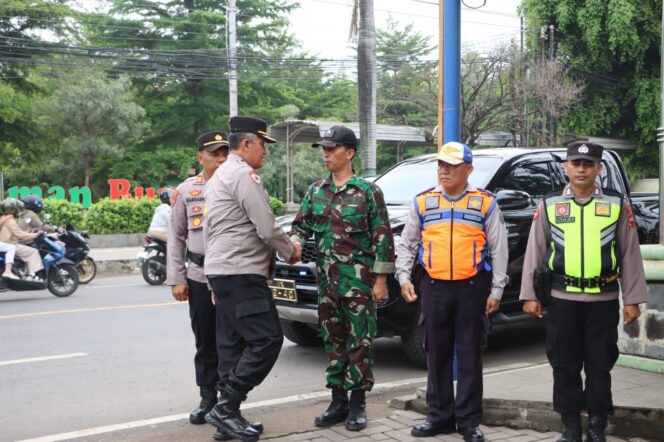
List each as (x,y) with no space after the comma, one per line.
(118,351)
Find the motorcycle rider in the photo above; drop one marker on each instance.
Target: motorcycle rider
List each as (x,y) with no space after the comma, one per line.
(159,224)
(29,218)
(11,233)
(9,250)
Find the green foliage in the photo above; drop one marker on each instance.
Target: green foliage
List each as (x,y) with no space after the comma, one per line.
(277,206)
(120,216)
(613,46)
(62,212)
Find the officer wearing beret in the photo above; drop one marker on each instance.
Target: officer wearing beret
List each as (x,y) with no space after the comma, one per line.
(242,236)
(451,229)
(587,238)
(185,257)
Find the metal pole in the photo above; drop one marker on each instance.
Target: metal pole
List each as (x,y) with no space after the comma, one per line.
(289,166)
(232,58)
(2,186)
(441,71)
(661,134)
(452,68)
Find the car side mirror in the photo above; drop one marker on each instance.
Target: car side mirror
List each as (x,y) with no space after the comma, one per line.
(513,199)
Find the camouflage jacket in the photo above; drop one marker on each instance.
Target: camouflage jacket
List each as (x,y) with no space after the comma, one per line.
(351,229)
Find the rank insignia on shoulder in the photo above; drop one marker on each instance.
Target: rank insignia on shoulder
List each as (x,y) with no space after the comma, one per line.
(602,209)
(254,176)
(432,202)
(195,192)
(475,203)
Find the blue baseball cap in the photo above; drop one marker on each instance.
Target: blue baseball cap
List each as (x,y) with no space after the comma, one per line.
(455,153)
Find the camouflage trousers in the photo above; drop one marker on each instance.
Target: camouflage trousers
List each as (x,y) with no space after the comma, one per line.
(348,328)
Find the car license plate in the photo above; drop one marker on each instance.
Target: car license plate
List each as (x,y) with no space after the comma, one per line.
(284,290)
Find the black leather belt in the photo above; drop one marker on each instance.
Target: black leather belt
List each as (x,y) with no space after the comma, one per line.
(196,258)
(584,283)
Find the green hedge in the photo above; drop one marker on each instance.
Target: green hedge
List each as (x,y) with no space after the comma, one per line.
(62,212)
(120,216)
(115,216)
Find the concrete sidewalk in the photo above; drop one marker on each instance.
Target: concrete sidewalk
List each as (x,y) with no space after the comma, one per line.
(113,261)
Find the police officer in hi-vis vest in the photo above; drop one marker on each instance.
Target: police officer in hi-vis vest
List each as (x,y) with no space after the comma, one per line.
(452,229)
(185,257)
(241,238)
(586,237)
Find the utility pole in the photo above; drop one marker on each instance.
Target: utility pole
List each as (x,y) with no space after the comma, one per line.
(232,58)
(660,133)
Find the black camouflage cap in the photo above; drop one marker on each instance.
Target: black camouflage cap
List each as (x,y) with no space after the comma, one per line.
(212,141)
(251,125)
(337,135)
(583,150)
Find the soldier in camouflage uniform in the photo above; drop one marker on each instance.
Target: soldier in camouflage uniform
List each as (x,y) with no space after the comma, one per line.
(348,218)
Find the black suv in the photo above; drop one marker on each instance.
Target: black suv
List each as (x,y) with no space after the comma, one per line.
(519,178)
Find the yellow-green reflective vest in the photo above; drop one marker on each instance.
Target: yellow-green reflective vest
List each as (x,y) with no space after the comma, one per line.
(583,239)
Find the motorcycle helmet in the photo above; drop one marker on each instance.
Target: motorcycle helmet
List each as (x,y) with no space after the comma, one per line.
(34,203)
(10,206)
(166,195)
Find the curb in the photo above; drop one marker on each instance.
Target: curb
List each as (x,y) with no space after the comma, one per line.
(626,422)
(641,363)
(116,267)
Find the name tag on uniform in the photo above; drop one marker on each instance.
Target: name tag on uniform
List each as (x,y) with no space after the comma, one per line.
(432,202)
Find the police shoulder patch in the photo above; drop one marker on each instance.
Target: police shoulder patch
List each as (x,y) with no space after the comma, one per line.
(254,176)
(175,196)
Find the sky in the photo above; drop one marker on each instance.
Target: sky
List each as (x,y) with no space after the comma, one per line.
(322,25)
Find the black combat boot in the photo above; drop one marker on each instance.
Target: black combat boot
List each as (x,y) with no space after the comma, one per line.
(337,411)
(208,400)
(596,428)
(221,435)
(357,414)
(227,418)
(571,427)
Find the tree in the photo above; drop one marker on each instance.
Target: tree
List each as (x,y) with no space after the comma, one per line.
(95,117)
(363,12)
(614,47)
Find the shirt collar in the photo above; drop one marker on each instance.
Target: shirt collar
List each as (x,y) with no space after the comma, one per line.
(235,157)
(469,188)
(568,193)
(353,181)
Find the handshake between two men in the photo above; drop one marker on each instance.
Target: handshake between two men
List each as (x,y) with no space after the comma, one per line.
(297,253)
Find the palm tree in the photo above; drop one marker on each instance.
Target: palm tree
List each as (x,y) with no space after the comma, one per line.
(365,34)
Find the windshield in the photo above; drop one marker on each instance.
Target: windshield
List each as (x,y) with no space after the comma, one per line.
(402,183)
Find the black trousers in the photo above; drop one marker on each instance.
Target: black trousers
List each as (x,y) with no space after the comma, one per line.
(249,335)
(202,315)
(453,312)
(582,335)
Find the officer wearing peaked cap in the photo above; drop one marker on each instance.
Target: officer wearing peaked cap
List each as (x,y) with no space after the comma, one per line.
(185,257)
(586,237)
(451,229)
(242,235)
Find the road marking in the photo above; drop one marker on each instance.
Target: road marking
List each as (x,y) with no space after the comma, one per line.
(91,309)
(269,402)
(42,358)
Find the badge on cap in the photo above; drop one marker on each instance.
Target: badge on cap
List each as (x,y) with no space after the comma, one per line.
(218,137)
(254,176)
(583,149)
(329,133)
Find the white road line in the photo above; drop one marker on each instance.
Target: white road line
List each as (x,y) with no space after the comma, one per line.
(42,358)
(269,402)
(90,309)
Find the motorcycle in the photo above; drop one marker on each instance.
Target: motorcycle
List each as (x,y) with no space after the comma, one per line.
(152,261)
(77,249)
(60,275)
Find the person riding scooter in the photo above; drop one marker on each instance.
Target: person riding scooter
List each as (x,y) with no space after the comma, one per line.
(29,218)
(159,225)
(11,233)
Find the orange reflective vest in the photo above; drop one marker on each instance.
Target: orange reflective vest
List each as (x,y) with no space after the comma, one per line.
(453,243)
